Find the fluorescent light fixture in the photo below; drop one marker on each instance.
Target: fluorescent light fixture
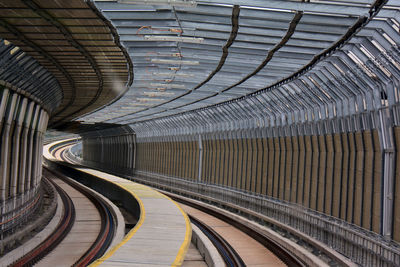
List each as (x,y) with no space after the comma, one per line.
(168,85)
(170,55)
(187,3)
(172,74)
(164,54)
(180,29)
(129,10)
(175,62)
(134,106)
(153,94)
(267,9)
(174,39)
(146,99)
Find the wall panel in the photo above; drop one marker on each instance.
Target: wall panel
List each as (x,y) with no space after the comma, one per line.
(271,164)
(239,164)
(288,168)
(259,166)
(337,175)
(227,161)
(321,180)
(301,170)
(249,159)
(282,168)
(264,166)
(213,160)
(235,147)
(218,161)
(307,171)
(329,185)
(367,196)
(254,161)
(350,188)
(277,153)
(359,182)
(314,172)
(205,161)
(294,169)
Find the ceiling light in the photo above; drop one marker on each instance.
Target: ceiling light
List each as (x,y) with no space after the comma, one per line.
(141,104)
(177,62)
(164,54)
(169,74)
(152,94)
(129,10)
(188,3)
(168,85)
(145,99)
(174,39)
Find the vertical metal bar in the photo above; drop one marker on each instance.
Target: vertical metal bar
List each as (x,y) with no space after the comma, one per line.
(388,171)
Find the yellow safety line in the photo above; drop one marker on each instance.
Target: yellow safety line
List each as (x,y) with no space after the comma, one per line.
(182,250)
(131,232)
(188,238)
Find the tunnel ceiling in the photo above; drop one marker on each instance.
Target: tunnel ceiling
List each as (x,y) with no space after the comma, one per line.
(270,61)
(191,57)
(74,42)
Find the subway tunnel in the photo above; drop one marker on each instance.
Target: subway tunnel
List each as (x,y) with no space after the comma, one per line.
(285,113)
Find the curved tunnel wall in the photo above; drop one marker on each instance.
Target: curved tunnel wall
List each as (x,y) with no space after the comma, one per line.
(318,150)
(336,174)
(22,125)
(28,94)
(329,186)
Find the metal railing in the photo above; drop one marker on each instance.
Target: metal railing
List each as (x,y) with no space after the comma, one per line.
(361,246)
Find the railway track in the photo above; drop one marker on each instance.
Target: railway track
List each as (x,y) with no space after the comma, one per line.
(57,236)
(231,256)
(107,229)
(102,241)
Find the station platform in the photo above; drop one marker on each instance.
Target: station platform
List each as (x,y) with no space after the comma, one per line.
(162,235)
(160,238)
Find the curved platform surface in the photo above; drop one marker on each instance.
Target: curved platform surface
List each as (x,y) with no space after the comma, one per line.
(162,234)
(160,238)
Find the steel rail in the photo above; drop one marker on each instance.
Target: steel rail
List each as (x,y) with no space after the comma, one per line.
(282,253)
(230,256)
(61,231)
(108,223)
(99,246)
